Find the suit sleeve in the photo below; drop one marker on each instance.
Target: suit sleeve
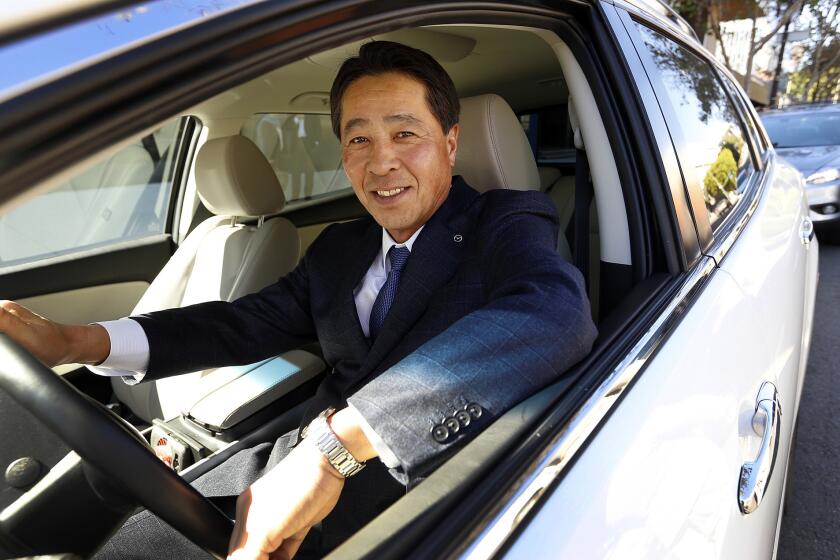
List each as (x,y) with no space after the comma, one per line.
(218,333)
(535,325)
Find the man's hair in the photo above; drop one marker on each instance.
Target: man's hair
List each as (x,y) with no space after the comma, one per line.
(379,57)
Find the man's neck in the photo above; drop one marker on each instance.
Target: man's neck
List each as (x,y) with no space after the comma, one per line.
(402,235)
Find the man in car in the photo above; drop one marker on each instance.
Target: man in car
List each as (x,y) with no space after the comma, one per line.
(437,313)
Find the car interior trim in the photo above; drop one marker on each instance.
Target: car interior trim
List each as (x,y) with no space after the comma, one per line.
(496,529)
(188,135)
(609,199)
(135,260)
(104,302)
(630,151)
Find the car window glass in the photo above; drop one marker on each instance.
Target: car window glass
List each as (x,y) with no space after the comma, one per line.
(550,135)
(713,146)
(124,197)
(302,150)
(746,117)
(798,130)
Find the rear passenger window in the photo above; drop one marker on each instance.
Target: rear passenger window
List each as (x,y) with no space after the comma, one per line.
(303,151)
(550,135)
(711,141)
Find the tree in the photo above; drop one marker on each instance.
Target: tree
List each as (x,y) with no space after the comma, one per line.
(822,59)
(718,11)
(826,87)
(722,176)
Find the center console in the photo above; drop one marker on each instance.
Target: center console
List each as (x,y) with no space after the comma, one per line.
(236,401)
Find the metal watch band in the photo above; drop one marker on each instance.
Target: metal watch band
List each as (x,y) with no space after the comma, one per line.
(326,441)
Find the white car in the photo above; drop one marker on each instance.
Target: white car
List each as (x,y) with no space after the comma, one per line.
(670,440)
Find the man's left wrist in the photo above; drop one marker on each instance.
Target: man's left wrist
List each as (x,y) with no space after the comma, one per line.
(346,425)
(323,463)
(332,450)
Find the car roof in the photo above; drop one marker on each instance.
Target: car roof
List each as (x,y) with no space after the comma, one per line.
(661,11)
(21,18)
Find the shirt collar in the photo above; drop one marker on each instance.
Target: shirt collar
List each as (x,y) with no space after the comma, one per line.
(388,242)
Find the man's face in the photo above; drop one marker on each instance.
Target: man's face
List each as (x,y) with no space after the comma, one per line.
(394,151)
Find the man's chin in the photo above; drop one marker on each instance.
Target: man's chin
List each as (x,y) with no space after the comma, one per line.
(399,231)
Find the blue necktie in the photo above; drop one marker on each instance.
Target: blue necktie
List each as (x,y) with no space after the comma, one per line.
(398,257)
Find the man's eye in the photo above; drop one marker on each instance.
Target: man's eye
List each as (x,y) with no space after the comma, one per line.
(405,134)
(358,140)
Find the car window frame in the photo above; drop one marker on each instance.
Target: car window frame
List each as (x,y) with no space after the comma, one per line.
(619,17)
(709,238)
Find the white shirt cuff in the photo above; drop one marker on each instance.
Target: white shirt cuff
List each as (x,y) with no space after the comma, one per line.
(385,454)
(129,356)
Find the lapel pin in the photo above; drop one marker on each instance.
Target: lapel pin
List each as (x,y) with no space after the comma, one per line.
(458,238)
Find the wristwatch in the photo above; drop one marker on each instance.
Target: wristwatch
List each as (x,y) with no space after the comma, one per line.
(324,438)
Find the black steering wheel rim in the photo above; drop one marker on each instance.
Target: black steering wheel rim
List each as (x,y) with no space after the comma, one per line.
(115,451)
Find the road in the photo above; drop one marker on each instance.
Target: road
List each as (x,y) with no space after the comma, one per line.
(811,524)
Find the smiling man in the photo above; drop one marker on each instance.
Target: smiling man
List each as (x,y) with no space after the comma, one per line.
(397,155)
(437,313)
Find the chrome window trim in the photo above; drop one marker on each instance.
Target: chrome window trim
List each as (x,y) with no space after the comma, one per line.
(499,526)
(722,234)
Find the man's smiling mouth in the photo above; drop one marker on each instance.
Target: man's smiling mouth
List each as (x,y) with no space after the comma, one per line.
(387,193)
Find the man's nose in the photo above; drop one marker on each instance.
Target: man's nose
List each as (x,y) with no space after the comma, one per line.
(383,159)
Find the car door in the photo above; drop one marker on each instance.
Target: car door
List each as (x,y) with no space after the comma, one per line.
(672,473)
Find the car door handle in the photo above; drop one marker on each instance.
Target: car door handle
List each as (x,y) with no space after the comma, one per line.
(806,231)
(766,422)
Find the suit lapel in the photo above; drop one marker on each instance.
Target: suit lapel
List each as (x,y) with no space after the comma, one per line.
(435,257)
(346,318)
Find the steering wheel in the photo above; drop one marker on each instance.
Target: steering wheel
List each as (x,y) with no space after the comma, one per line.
(112,448)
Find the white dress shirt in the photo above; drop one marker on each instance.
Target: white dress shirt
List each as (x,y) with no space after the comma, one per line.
(129,356)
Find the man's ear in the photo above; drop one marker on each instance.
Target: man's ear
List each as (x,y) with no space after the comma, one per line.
(452,142)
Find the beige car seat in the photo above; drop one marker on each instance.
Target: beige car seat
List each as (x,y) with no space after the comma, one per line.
(494,153)
(221,259)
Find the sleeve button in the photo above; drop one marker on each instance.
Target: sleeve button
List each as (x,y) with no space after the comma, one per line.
(475,410)
(452,425)
(440,433)
(463,417)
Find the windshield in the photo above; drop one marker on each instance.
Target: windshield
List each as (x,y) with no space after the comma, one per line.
(797,130)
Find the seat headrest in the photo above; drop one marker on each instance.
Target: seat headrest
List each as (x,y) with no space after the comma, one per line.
(493,151)
(233,178)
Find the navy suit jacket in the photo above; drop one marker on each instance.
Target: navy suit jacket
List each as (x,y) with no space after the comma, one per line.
(486,314)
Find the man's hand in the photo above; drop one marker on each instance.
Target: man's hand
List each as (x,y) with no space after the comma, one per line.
(53,343)
(274,515)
